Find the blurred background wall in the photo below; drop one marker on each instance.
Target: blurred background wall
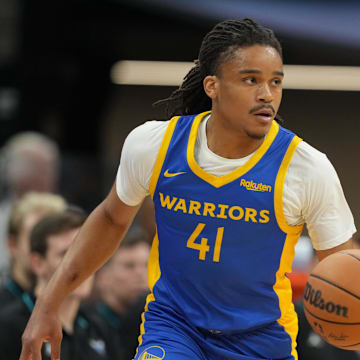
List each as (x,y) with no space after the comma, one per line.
(56,57)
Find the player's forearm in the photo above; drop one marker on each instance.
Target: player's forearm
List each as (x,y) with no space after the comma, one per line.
(96,242)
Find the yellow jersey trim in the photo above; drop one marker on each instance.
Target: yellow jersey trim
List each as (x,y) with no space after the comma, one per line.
(162,154)
(218,181)
(282,286)
(154,274)
(279,188)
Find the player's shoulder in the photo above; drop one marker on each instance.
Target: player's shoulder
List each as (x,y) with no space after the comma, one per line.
(310,153)
(311,162)
(149,128)
(146,136)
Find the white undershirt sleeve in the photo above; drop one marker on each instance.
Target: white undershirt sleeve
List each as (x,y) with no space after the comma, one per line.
(137,161)
(319,199)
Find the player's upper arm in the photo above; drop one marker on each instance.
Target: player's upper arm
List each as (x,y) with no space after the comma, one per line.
(321,254)
(116,211)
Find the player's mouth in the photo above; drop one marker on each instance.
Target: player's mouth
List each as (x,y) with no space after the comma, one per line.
(263,113)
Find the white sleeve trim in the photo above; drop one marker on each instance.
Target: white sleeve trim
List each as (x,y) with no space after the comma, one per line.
(341,239)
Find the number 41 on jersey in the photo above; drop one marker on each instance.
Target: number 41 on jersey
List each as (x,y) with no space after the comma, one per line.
(203,246)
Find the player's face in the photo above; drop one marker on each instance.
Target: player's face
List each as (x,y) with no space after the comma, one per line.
(247,90)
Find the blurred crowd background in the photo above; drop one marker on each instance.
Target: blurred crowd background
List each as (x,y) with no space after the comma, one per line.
(63,120)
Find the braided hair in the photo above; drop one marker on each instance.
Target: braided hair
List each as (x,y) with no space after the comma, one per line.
(218,46)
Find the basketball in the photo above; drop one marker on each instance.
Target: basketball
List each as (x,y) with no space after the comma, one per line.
(332,299)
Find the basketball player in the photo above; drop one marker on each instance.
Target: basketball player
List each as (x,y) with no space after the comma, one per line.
(231,190)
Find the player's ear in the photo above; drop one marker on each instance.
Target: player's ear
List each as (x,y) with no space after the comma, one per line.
(210,86)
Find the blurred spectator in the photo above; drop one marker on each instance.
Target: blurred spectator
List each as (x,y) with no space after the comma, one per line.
(29,162)
(25,213)
(82,339)
(122,287)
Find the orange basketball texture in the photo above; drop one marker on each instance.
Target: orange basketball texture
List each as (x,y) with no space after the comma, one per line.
(332,299)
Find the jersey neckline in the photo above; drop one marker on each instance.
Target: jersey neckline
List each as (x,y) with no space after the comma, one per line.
(218,181)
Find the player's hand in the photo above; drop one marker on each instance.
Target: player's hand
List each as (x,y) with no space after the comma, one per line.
(42,327)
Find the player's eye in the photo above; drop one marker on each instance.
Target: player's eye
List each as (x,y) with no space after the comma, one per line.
(250,80)
(277,81)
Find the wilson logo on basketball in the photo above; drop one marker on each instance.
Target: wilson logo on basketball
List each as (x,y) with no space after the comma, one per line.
(314,298)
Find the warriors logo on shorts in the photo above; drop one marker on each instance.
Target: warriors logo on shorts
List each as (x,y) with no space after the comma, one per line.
(153,352)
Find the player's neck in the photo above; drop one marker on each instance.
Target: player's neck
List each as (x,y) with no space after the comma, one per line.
(228,143)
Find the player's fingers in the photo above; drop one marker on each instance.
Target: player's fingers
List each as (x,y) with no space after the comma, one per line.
(25,353)
(55,347)
(31,349)
(36,353)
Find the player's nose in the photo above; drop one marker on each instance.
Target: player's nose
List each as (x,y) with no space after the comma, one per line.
(265,94)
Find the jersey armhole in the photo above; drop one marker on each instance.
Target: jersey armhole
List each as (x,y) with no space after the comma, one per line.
(162,154)
(279,189)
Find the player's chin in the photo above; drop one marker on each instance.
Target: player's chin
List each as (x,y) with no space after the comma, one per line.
(259,129)
(257,133)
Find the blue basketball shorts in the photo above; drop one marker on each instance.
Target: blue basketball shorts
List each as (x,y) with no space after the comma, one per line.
(171,338)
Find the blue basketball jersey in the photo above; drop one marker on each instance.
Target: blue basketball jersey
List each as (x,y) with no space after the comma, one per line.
(223,248)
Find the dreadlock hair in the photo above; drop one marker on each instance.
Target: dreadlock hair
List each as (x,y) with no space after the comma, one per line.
(218,46)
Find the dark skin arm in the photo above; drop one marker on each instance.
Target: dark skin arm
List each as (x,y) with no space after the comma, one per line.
(97,240)
(322,254)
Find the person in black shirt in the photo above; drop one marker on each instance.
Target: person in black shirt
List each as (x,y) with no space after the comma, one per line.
(82,337)
(122,289)
(86,342)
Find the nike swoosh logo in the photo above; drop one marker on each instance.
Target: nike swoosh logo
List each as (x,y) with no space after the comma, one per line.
(167,174)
